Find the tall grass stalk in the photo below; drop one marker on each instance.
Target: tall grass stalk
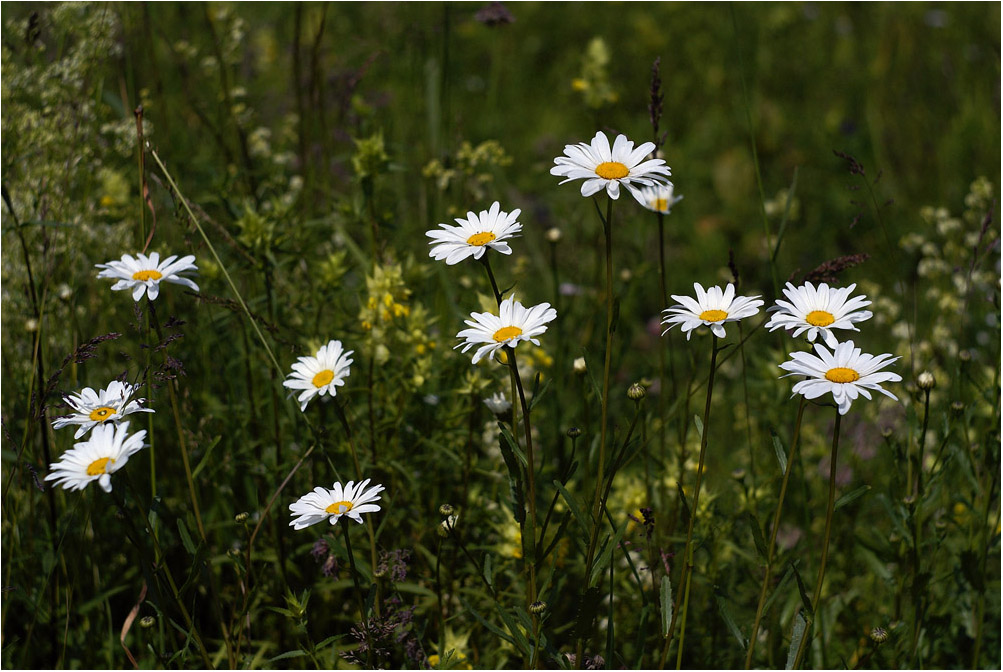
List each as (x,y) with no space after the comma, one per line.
(771,547)
(817,595)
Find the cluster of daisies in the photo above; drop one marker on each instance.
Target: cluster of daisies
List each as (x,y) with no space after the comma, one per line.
(103,412)
(841,369)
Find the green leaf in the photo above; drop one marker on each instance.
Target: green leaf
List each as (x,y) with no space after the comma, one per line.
(757,534)
(800,625)
(186,538)
(489,569)
(805,602)
(684,505)
(538,394)
(490,626)
(851,496)
(574,505)
(665,597)
(205,458)
(288,654)
(779,590)
(699,425)
(778,447)
(607,556)
(722,606)
(514,476)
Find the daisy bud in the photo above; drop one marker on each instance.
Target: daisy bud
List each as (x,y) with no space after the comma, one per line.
(965,356)
(926,381)
(574,432)
(738,474)
(636,392)
(446,510)
(538,607)
(442,530)
(879,635)
(553,235)
(579,365)
(957,407)
(147,622)
(626,274)
(241,517)
(887,432)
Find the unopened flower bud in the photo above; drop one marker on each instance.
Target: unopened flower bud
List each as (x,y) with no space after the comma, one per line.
(879,635)
(626,275)
(965,356)
(538,607)
(553,235)
(887,432)
(926,381)
(446,510)
(579,365)
(957,407)
(147,622)
(738,474)
(241,517)
(636,392)
(574,432)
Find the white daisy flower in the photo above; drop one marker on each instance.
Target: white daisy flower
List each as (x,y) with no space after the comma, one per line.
(107,451)
(514,324)
(94,408)
(818,311)
(607,168)
(659,198)
(711,308)
(845,372)
(320,374)
(498,404)
(474,235)
(145,273)
(351,500)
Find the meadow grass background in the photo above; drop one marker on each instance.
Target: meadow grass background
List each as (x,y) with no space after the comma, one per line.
(296,131)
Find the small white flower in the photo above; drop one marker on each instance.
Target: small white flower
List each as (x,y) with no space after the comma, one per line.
(144,274)
(711,308)
(351,500)
(107,451)
(659,198)
(320,374)
(515,323)
(94,408)
(845,372)
(498,404)
(818,311)
(603,167)
(474,235)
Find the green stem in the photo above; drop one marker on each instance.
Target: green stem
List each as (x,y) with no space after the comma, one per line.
(825,544)
(530,486)
(688,553)
(773,536)
(371,652)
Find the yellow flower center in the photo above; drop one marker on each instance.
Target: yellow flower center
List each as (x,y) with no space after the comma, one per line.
(819,318)
(323,378)
(505,333)
(612,170)
(339,507)
(842,375)
(102,414)
(143,276)
(482,238)
(660,204)
(98,467)
(713,315)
